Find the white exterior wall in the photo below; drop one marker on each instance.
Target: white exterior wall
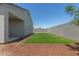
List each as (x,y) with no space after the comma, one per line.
(4,22)
(3,25)
(1,28)
(16,28)
(24,15)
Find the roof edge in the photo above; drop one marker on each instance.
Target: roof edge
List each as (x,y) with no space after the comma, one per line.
(17,6)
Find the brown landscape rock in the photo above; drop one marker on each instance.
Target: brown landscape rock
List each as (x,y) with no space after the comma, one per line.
(21,49)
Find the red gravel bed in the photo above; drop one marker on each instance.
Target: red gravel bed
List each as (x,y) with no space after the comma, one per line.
(21,49)
(37,49)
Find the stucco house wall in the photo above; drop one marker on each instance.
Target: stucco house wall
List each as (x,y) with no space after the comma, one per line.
(14,21)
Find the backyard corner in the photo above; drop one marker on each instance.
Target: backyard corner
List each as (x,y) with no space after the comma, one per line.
(51,36)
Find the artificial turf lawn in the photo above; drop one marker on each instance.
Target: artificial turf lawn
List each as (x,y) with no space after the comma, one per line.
(48,38)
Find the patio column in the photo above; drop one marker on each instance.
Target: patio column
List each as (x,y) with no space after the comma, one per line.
(6,27)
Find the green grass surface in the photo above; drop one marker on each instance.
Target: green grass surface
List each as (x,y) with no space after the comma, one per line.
(48,39)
